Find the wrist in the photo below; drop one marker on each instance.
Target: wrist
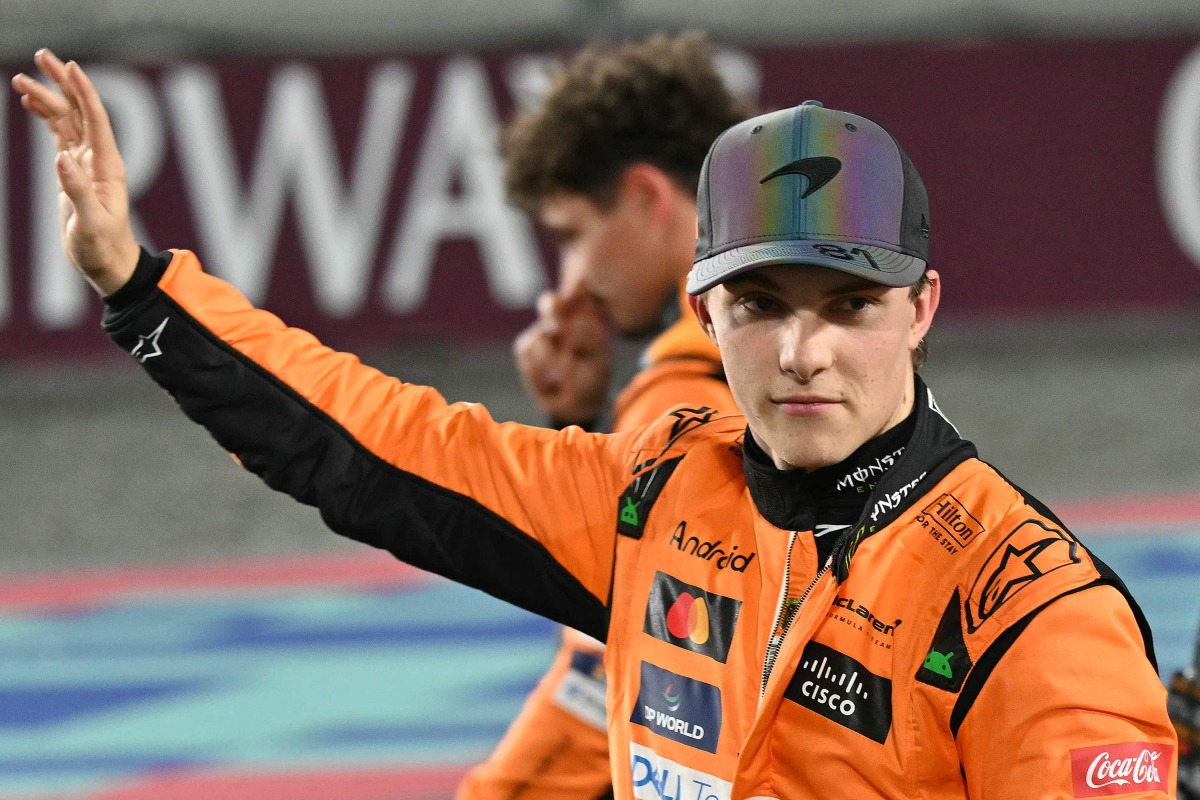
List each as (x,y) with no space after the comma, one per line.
(118,268)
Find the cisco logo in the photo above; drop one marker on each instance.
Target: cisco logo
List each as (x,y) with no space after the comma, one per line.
(842,690)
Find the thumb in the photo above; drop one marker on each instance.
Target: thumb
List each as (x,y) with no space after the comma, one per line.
(77,186)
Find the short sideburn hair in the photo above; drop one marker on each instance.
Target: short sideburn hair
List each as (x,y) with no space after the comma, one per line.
(660,101)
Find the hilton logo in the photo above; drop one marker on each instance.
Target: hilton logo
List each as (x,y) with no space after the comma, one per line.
(949,515)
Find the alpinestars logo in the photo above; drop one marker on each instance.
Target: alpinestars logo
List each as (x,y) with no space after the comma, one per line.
(1125,768)
(1030,552)
(688,418)
(147,346)
(842,690)
(682,709)
(691,618)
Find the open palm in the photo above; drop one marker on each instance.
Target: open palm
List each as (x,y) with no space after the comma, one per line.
(93,201)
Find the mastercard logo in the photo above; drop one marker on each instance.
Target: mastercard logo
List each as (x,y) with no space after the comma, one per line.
(687,618)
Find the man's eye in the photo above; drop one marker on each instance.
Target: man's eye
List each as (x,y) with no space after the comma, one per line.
(758,303)
(857,303)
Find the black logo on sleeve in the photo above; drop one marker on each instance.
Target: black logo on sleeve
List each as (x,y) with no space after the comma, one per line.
(819,170)
(688,418)
(682,709)
(691,618)
(1026,554)
(842,690)
(633,506)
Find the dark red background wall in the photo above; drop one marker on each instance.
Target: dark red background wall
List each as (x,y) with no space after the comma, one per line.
(1039,157)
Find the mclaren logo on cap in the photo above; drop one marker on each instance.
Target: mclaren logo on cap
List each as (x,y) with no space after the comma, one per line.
(819,170)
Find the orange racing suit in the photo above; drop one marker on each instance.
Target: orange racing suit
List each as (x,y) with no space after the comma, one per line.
(557,747)
(955,641)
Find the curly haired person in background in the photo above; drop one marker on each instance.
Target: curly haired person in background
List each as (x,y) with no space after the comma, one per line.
(608,163)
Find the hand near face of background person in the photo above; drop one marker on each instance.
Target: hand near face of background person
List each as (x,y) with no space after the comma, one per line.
(93,201)
(565,358)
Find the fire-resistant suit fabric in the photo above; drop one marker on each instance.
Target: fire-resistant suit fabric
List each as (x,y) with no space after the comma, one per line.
(958,642)
(557,747)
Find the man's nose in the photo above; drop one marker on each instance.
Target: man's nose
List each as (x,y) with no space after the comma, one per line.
(806,348)
(572,274)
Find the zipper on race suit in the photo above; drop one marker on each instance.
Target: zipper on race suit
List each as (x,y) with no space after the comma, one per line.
(782,623)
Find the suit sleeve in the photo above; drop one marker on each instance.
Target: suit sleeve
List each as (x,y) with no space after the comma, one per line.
(1073,709)
(525,514)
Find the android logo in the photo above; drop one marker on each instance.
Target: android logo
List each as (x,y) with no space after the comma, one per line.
(629,514)
(939,663)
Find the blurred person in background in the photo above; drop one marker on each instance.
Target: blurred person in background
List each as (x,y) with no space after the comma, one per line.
(1183,705)
(608,163)
(831,596)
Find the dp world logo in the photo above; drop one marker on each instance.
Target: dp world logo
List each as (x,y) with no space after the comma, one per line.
(672,696)
(679,708)
(691,618)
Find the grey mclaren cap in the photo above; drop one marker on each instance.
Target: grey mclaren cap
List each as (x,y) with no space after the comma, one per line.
(810,185)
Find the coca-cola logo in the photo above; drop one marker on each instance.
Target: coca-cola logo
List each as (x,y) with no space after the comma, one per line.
(1113,769)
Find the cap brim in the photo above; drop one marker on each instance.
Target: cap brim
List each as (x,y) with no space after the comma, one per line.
(876,264)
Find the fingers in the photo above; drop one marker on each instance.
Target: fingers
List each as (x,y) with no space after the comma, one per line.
(94,202)
(549,312)
(61,105)
(539,362)
(51,65)
(97,128)
(77,185)
(60,114)
(572,324)
(38,98)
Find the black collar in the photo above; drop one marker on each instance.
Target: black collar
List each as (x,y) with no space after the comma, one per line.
(878,481)
(787,498)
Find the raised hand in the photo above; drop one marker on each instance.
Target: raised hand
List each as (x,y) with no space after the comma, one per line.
(565,358)
(93,201)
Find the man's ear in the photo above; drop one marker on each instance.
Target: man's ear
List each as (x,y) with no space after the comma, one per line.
(926,305)
(699,306)
(651,189)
